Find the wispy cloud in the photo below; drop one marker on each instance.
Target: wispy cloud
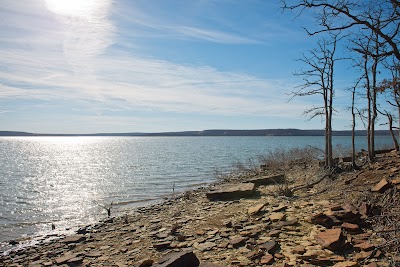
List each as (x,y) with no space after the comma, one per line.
(56,57)
(145,84)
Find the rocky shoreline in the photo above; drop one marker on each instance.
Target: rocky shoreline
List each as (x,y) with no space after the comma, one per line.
(325,224)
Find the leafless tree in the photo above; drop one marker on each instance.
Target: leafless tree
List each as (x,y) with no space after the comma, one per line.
(354,113)
(339,15)
(389,116)
(391,86)
(318,79)
(372,50)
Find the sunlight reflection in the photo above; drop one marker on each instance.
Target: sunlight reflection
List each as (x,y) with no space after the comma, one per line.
(75,8)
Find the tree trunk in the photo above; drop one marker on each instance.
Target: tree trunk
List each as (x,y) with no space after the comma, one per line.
(353,128)
(374,105)
(369,108)
(395,143)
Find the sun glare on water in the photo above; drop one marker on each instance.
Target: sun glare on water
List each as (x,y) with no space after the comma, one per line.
(74,8)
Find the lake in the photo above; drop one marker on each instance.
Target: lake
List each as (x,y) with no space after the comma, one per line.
(65,181)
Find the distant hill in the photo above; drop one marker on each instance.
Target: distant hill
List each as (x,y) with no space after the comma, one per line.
(11,133)
(262,132)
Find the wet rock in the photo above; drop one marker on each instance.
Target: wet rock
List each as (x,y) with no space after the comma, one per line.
(331,239)
(232,192)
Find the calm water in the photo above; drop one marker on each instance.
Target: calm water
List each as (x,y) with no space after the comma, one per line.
(66,180)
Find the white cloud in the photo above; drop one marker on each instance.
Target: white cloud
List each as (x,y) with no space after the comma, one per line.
(70,63)
(145,84)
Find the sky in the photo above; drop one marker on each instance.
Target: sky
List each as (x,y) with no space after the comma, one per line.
(107,66)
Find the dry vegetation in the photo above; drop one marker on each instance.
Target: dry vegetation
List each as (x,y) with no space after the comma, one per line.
(306,178)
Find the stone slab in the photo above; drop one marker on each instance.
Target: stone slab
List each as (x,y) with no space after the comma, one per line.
(74,239)
(381,187)
(268,180)
(331,239)
(255,209)
(235,191)
(179,259)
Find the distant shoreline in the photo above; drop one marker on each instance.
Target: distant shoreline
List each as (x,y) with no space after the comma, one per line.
(262,132)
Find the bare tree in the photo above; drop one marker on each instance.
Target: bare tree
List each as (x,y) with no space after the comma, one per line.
(338,15)
(318,79)
(390,123)
(354,112)
(376,27)
(371,48)
(392,86)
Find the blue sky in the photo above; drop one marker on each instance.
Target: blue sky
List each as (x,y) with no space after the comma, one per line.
(149,66)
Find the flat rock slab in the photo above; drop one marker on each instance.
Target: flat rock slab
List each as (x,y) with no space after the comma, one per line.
(331,239)
(162,245)
(351,227)
(238,241)
(205,246)
(184,258)
(94,254)
(382,186)
(255,209)
(232,192)
(268,180)
(270,246)
(65,258)
(267,259)
(277,216)
(74,239)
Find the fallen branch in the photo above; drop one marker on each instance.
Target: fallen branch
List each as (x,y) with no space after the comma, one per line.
(307,186)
